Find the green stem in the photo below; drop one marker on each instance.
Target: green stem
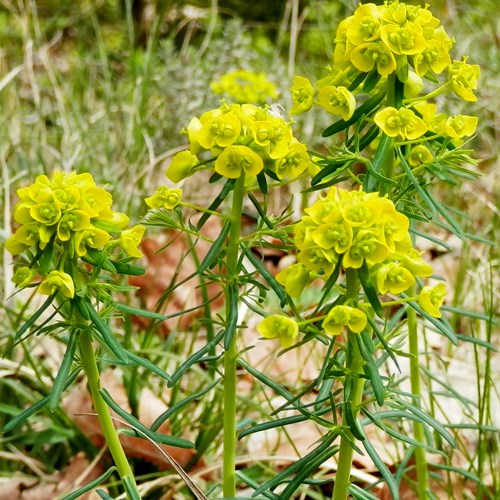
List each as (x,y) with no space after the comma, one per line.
(418,430)
(354,366)
(110,434)
(231,354)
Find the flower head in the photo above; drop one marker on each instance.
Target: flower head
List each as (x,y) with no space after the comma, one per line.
(431,298)
(235,161)
(164,197)
(302,95)
(338,101)
(130,240)
(463,78)
(279,327)
(340,317)
(57,281)
(403,123)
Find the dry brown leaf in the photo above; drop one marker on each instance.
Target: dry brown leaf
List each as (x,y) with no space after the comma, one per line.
(167,261)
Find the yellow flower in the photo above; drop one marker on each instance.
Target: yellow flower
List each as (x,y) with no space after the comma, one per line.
(403,123)
(370,55)
(92,237)
(413,261)
(337,235)
(403,40)
(294,163)
(394,278)
(245,86)
(273,134)
(365,25)
(47,213)
(164,197)
(419,155)
(338,101)
(57,281)
(23,276)
(459,126)
(463,78)
(366,245)
(235,161)
(431,298)
(26,236)
(279,327)
(302,95)
(317,259)
(130,240)
(72,221)
(435,56)
(294,278)
(341,316)
(182,166)
(218,129)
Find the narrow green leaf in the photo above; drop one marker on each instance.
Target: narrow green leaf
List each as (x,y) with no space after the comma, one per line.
(104,495)
(141,312)
(371,369)
(141,428)
(99,259)
(129,269)
(357,492)
(21,417)
(330,167)
(149,366)
(260,210)
(259,266)
(35,316)
(62,375)
(372,79)
(383,156)
(80,491)
(213,254)
(370,289)
(232,303)
(108,337)
(195,358)
(352,421)
(442,326)
(357,81)
(46,257)
(175,408)
(262,182)
(130,488)
(227,188)
(382,468)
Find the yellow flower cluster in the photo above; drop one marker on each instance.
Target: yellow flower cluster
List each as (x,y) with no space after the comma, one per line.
(240,140)
(348,229)
(390,36)
(245,86)
(67,215)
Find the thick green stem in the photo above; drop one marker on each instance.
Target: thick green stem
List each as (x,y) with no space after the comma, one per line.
(231,354)
(418,430)
(355,366)
(111,436)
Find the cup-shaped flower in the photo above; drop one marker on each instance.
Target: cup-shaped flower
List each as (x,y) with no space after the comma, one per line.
(420,155)
(90,237)
(318,259)
(70,222)
(273,134)
(302,95)
(182,166)
(57,281)
(95,200)
(235,161)
(294,278)
(459,126)
(394,278)
(375,54)
(366,245)
(23,276)
(219,128)
(26,236)
(434,57)
(294,163)
(463,78)
(402,123)
(337,100)
(431,298)
(47,213)
(164,197)
(341,316)
(336,235)
(130,240)
(365,25)
(403,40)
(279,327)
(414,262)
